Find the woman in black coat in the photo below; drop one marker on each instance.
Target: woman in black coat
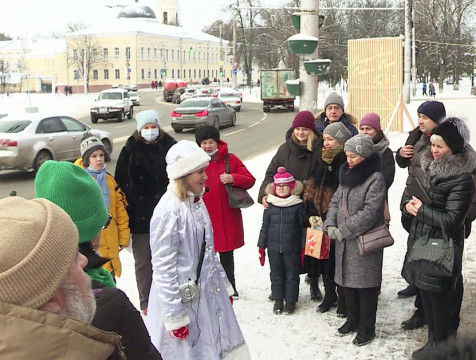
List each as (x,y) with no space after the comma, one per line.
(141,174)
(320,188)
(448,182)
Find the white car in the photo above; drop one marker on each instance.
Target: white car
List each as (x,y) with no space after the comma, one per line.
(188,93)
(135,98)
(230,99)
(112,104)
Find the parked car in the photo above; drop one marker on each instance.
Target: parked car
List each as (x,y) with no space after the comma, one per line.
(203,92)
(188,93)
(112,104)
(230,99)
(130,87)
(28,140)
(177,93)
(135,98)
(195,112)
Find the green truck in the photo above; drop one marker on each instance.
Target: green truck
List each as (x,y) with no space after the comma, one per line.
(273,89)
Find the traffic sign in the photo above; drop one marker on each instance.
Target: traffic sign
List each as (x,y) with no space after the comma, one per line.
(235,71)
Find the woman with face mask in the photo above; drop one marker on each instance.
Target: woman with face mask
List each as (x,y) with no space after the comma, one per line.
(141,174)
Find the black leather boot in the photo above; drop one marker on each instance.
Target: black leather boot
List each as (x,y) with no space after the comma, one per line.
(421,352)
(410,290)
(316,294)
(330,297)
(415,322)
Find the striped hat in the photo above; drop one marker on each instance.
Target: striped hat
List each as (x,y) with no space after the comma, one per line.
(284,177)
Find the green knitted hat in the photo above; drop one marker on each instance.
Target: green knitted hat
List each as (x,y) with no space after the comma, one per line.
(76,192)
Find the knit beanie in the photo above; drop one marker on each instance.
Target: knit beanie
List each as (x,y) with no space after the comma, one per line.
(185,157)
(283,177)
(371,119)
(76,192)
(334,98)
(90,143)
(147,117)
(38,245)
(207,132)
(304,119)
(360,144)
(338,131)
(434,110)
(454,132)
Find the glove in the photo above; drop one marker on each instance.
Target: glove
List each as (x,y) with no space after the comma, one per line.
(331,232)
(180,334)
(338,235)
(262,256)
(302,257)
(231,300)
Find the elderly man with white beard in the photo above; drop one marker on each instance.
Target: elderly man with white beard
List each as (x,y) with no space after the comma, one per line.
(46,303)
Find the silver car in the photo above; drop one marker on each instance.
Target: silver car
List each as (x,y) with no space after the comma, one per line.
(230,99)
(28,140)
(195,112)
(135,98)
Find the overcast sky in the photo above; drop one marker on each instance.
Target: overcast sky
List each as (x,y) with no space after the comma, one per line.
(31,17)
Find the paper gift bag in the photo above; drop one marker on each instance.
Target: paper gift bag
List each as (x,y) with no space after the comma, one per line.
(317,243)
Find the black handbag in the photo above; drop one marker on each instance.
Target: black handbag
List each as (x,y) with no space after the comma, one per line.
(237,197)
(431,257)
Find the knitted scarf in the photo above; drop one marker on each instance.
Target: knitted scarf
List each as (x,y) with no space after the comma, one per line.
(328,155)
(100,177)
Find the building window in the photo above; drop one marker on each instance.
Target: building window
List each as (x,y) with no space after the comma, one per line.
(128,53)
(178,73)
(117,74)
(183,56)
(167,54)
(161,54)
(116,53)
(76,75)
(105,54)
(155,73)
(155,54)
(148,53)
(178,55)
(106,74)
(75,55)
(190,73)
(172,53)
(164,16)
(94,54)
(199,73)
(142,53)
(142,72)
(95,75)
(194,74)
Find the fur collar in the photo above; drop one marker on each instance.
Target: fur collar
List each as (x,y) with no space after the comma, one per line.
(360,173)
(297,190)
(447,166)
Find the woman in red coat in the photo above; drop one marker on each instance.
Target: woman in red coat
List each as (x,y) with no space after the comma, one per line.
(227,222)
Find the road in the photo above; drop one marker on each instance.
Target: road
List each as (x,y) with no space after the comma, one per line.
(255,132)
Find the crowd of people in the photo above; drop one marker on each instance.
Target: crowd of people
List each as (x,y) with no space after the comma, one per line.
(168,200)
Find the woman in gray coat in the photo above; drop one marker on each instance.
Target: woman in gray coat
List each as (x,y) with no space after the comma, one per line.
(362,191)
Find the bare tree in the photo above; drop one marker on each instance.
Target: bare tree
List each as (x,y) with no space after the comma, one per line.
(83,54)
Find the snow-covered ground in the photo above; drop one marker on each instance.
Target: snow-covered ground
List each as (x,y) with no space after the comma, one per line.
(308,334)
(311,335)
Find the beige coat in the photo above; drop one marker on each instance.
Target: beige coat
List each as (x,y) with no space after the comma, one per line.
(35,334)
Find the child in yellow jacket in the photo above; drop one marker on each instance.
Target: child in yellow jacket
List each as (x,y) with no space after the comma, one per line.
(116,235)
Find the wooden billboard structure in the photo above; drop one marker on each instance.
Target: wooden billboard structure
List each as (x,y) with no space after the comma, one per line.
(375,81)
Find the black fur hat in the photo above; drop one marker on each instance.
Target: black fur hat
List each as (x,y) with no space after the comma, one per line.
(207,132)
(454,132)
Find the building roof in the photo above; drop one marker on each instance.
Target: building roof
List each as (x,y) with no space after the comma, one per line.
(34,47)
(136,11)
(122,26)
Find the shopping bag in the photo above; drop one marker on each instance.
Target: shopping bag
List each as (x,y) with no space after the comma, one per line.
(317,243)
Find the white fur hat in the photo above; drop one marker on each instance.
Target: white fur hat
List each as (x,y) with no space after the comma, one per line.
(184,158)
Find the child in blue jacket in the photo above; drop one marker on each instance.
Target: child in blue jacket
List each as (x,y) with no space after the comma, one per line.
(283,235)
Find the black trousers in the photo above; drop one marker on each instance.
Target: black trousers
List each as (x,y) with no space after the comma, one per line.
(437,313)
(284,275)
(228,262)
(361,306)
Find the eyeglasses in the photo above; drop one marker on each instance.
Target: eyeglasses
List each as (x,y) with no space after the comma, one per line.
(106,225)
(282,186)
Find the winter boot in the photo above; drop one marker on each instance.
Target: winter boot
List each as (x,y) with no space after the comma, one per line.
(364,336)
(289,308)
(330,298)
(341,308)
(278,307)
(410,290)
(421,353)
(316,294)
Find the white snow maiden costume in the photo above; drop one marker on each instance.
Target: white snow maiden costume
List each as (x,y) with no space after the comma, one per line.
(177,232)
